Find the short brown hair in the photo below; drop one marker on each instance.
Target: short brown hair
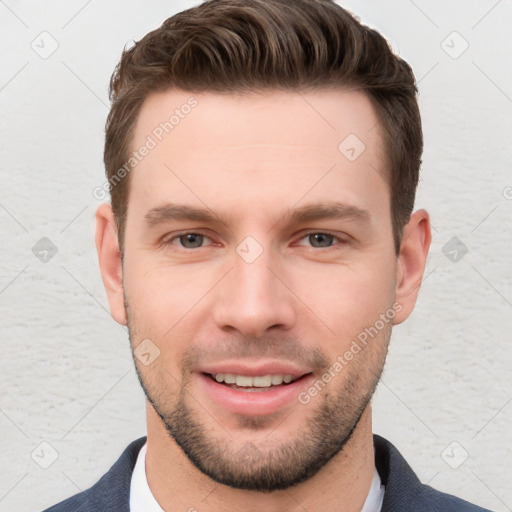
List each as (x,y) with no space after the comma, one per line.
(230,46)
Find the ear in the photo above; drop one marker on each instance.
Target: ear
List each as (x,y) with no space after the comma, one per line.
(109,257)
(411,261)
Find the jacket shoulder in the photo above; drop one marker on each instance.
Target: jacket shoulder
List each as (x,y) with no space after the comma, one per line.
(441,502)
(404,491)
(111,492)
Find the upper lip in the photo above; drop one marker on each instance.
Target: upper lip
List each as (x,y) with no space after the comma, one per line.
(255,368)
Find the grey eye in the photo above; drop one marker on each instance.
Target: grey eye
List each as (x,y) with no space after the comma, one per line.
(321,239)
(191,240)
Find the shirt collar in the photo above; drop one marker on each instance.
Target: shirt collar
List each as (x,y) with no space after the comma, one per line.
(142,499)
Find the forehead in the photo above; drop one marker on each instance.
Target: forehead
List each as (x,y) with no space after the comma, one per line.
(248,148)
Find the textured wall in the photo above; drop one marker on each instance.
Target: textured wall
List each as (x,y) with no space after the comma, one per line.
(67,378)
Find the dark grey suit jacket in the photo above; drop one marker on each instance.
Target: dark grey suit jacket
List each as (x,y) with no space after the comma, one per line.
(404,492)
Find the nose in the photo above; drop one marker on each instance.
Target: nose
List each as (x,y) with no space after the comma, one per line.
(254,298)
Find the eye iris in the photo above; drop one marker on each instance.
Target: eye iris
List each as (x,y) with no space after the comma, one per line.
(317,239)
(195,240)
(191,240)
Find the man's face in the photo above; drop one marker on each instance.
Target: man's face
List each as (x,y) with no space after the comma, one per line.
(270,286)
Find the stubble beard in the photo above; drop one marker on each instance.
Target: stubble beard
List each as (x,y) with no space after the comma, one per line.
(264,466)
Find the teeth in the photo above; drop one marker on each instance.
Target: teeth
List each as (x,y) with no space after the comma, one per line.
(229,379)
(263,381)
(277,379)
(241,380)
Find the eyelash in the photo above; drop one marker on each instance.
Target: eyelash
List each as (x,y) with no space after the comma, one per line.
(338,239)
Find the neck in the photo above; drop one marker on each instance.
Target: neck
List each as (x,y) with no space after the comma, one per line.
(342,484)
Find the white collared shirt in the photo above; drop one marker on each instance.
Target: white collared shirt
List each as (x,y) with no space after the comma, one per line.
(142,499)
(375,496)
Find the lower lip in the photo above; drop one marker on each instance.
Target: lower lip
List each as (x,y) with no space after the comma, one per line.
(266,401)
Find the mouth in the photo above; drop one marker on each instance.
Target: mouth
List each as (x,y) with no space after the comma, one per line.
(260,393)
(254,383)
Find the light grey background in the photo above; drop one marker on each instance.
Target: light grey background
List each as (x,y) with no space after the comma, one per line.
(67,378)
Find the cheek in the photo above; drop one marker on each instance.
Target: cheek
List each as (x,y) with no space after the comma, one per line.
(333,301)
(165,302)
(344,300)
(161,290)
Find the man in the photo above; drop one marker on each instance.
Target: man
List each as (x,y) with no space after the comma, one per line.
(262,158)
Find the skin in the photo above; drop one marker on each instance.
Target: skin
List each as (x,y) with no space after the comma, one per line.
(249,158)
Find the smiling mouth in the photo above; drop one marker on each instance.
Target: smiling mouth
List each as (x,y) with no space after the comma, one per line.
(254,383)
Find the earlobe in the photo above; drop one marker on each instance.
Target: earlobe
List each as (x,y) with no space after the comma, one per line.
(411,262)
(109,256)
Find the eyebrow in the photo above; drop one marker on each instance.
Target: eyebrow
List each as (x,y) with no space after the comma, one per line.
(170,212)
(324,211)
(308,213)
